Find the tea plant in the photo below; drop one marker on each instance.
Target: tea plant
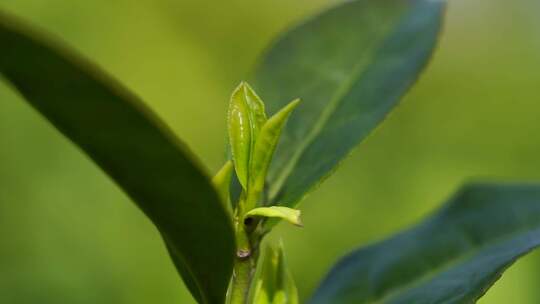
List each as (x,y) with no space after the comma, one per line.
(350,65)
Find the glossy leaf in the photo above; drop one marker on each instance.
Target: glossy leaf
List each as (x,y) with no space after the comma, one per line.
(350,65)
(257,110)
(265,146)
(246,117)
(132,146)
(222,182)
(274,283)
(454,256)
(290,215)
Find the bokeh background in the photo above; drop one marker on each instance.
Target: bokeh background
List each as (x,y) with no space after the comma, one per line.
(69,235)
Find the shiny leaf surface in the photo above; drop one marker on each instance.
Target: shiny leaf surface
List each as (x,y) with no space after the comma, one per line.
(246,117)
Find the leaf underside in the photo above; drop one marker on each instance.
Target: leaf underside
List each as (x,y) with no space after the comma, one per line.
(350,65)
(132,146)
(454,256)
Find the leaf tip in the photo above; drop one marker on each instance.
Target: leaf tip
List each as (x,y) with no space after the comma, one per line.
(298,221)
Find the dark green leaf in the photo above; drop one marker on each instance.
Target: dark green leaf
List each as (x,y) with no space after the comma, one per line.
(454,256)
(144,158)
(350,66)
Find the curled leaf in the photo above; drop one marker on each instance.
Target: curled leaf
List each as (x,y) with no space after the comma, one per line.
(245,118)
(290,215)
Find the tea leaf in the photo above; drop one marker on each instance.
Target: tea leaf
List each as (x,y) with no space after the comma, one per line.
(274,283)
(246,117)
(265,146)
(257,111)
(454,256)
(222,182)
(290,215)
(350,65)
(132,146)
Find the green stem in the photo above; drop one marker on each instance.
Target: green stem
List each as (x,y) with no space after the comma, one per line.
(247,244)
(241,282)
(244,266)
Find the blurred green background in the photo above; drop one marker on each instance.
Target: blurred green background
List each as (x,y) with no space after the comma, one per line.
(69,235)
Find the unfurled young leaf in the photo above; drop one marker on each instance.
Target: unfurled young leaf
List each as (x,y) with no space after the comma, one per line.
(454,256)
(265,146)
(222,182)
(245,119)
(290,215)
(274,283)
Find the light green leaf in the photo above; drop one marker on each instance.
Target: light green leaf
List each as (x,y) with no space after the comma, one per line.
(222,183)
(290,215)
(132,146)
(350,65)
(246,117)
(287,293)
(257,111)
(274,283)
(264,149)
(240,134)
(454,256)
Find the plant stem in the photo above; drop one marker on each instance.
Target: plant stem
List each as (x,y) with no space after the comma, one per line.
(244,266)
(241,281)
(246,254)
